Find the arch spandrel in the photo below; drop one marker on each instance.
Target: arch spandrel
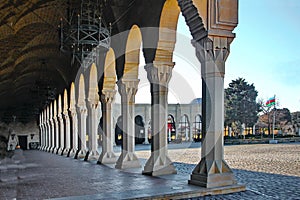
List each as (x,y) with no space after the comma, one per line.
(219,17)
(202,6)
(132,54)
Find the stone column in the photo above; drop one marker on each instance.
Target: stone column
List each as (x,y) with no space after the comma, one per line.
(159,74)
(67,125)
(55,119)
(52,133)
(107,155)
(253,130)
(41,131)
(61,127)
(191,129)
(146,125)
(212,171)
(48,128)
(127,89)
(73,112)
(92,105)
(82,115)
(45,129)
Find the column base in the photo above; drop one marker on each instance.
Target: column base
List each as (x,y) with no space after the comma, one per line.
(127,160)
(60,151)
(72,153)
(211,174)
(158,167)
(57,150)
(65,152)
(107,158)
(146,142)
(54,150)
(91,155)
(81,154)
(213,180)
(50,149)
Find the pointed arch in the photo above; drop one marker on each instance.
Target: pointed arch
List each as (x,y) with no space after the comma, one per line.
(55,108)
(132,53)
(66,106)
(72,97)
(93,84)
(184,127)
(171,128)
(59,105)
(51,111)
(197,128)
(81,92)
(109,70)
(167,31)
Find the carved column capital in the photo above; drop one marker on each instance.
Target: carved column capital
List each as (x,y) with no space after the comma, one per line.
(73,113)
(66,115)
(55,119)
(82,109)
(159,72)
(128,88)
(72,109)
(212,52)
(60,117)
(108,96)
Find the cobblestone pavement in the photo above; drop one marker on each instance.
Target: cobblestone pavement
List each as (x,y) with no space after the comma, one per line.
(268,171)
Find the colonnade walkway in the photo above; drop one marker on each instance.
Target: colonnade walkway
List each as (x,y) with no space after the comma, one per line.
(37,174)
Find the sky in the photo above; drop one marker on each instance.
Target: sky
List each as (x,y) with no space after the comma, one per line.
(266,52)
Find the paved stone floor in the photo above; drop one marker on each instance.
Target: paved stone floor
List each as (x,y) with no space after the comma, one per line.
(268,171)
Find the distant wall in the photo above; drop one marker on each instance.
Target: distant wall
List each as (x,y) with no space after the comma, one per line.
(13,131)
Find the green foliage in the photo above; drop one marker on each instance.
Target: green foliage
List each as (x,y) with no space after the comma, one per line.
(240,103)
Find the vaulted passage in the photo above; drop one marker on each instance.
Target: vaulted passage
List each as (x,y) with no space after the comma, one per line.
(63,63)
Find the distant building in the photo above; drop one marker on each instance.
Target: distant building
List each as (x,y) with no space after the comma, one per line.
(184,121)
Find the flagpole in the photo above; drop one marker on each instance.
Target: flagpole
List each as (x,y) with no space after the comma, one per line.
(273,128)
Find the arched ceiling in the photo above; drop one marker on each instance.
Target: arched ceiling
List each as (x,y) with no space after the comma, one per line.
(29,53)
(30,56)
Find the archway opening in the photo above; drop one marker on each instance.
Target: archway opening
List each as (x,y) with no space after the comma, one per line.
(171,128)
(183,128)
(119,131)
(139,129)
(197,129)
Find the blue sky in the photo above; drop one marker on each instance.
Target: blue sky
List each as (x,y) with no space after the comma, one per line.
(266,49)
(266,52)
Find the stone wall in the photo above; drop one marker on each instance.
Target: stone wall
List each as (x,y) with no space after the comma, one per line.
(4,133)
(11,133)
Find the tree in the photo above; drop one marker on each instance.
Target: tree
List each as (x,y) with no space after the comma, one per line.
(282,116)
(240,103)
